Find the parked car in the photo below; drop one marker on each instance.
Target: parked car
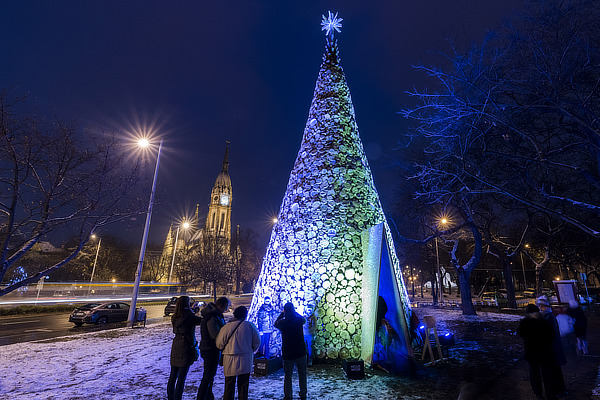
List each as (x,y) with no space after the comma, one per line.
(498,297)
(99,313)
(196,306)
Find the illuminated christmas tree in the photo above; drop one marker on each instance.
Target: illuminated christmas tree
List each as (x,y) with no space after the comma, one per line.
(331,248)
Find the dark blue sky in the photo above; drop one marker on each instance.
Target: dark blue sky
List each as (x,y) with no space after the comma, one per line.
(242,71)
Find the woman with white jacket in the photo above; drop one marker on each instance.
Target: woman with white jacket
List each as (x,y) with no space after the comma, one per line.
(239,340)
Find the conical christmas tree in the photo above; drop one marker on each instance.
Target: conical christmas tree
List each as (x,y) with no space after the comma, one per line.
(331,250)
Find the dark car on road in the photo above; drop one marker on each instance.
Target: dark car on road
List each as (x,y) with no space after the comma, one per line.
(99,313)
(194,305)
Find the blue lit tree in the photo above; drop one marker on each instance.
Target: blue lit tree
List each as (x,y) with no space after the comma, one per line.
(513,132)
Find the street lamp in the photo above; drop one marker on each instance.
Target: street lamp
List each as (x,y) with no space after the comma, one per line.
(442,221)
(138,273)
(185,226)
(523,268)
(95,260)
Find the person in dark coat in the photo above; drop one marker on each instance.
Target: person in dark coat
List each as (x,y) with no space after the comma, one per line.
(212,322)
(184,347)
(538,336)
(293,349)
(557,348)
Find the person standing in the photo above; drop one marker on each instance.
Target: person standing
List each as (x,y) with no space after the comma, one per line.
(559,354)
(212,322)
(265,320)
(309,330)
(239,340)
(293,349)
(538,336)
(184,347)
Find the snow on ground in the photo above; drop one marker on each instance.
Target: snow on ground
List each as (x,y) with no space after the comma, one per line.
(130,363)
(134,364)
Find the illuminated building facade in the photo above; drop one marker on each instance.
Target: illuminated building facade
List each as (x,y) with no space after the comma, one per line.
(217,223)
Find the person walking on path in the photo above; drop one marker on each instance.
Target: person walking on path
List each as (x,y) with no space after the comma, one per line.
(559,354)
(567,333)
(579,326)
(293,349)
(212,322)
(239,340)
(184,349)
(538,336)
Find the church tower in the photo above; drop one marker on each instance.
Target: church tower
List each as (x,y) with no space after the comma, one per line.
(218,219)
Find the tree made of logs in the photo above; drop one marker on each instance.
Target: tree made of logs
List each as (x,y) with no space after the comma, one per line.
(320,251)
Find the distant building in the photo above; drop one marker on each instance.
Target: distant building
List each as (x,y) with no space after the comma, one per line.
(217,222)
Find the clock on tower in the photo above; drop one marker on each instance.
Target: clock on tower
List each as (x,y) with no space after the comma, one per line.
(224,200)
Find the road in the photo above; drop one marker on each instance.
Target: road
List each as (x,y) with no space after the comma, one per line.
(26,328)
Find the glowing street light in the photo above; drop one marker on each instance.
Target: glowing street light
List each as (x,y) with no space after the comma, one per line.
(138,273)
(95,260)
(185,226)
(442,221)
(274,220)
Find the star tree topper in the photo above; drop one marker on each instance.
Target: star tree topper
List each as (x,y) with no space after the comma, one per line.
(331,24)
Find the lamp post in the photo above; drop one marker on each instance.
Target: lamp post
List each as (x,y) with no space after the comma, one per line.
(95,260)
(138,273)
(185,226)
(523,267)
(442,221)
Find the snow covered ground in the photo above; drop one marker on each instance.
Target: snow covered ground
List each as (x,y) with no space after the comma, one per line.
(134,364)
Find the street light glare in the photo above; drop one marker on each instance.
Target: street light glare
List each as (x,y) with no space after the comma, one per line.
(275,220)
(444,221)
(186,225)
(143,142)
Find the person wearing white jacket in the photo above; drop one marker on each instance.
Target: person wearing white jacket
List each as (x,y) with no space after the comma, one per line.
(239,340)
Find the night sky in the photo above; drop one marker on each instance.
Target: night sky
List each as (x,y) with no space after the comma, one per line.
(243,71)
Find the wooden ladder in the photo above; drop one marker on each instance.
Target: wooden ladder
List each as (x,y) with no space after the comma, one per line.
(430,325)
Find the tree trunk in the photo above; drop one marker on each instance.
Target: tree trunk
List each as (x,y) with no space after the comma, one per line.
(509,282)
(214,291)
(539,285)
(465,291)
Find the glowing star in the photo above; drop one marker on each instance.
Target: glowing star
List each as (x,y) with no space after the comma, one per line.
(331,23)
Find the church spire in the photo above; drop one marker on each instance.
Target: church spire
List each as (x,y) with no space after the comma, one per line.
(226,159)
(195,220)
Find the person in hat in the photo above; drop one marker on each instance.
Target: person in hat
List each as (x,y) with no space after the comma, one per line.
(293,349)
(557,349)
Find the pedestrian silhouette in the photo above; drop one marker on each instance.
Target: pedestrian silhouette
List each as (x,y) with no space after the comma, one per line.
(184,350)
(293,349)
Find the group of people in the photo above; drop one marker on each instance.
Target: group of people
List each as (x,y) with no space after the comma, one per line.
(233,346)
(544,335)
